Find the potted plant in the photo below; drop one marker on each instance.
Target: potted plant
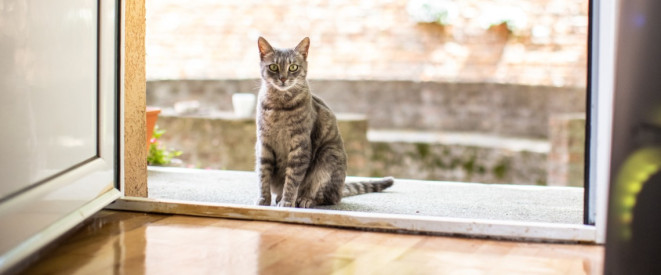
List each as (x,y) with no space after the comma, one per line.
(158,154)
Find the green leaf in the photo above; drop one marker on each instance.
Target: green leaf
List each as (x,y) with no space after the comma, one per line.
(158,154)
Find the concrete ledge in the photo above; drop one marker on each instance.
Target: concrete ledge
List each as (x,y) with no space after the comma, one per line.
(461,139)
(455,156)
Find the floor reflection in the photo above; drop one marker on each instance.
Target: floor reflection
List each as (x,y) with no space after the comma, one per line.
(137,243)
(202,250)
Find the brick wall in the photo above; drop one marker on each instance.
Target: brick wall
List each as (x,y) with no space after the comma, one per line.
(210,39)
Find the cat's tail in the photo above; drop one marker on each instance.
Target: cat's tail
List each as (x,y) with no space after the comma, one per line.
(362,187)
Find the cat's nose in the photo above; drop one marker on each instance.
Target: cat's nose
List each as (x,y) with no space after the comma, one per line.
(283,79)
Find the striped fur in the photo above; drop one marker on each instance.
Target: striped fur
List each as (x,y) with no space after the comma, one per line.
(362,187)
(299,151)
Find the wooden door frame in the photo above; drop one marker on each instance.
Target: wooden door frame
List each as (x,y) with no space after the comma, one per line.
(133,94)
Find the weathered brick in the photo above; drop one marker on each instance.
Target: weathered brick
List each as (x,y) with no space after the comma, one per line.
(209,39)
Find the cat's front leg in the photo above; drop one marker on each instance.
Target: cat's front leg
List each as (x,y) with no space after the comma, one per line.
(284,203)
(265,167)
(298,162)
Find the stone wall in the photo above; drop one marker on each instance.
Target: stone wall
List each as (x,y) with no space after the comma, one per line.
(221,141)
(566,161)
(490,108)
(451,162)
(364,39)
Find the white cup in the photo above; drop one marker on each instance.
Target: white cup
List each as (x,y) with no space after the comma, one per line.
(244,104)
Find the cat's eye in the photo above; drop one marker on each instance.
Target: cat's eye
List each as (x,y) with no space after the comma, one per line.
(293,67)
(273,67)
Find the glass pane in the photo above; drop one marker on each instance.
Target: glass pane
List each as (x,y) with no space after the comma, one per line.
(48,79)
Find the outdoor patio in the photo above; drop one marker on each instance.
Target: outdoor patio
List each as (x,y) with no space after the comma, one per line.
(493,94)
(409,197)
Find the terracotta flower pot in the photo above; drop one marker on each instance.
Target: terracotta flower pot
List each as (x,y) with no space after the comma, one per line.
(152,116)
(501,31)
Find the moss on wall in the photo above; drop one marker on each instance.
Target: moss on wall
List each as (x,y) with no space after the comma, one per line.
(501,169)
(428,161)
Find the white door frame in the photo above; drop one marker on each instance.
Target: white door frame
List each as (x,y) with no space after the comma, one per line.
(37,216)
(602,78)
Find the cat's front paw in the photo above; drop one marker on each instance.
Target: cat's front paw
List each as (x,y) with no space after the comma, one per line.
(264,201)
(284,203)
(305,203)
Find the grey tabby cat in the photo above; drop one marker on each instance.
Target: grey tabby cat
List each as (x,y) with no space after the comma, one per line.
(299,151)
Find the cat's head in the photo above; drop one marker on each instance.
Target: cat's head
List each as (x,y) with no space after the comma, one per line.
(283,68)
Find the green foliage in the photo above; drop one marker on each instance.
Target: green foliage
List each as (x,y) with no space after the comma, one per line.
(158,154)
(501,169)
(469,166)
(442,12)
(423,149)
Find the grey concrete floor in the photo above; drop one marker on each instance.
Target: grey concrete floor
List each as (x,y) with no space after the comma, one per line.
(411,197)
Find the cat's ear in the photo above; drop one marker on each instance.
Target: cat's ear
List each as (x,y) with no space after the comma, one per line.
(303,47)
(264,47)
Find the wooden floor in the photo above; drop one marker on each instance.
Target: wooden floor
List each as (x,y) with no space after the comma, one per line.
(137,243)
